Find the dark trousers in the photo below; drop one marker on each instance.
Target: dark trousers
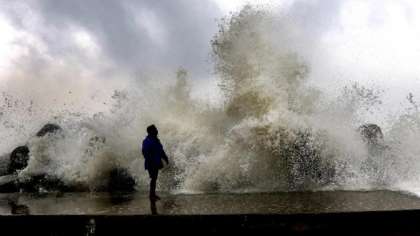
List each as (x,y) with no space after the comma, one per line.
(153,173)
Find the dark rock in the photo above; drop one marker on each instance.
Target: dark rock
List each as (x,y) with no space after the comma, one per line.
(18,159)
(20,156)
(43,183)
(120,181)
(35,184)
(371,133)
(9,184)
(48,129)
(373,165)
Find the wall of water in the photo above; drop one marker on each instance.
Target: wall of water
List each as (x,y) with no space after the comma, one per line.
(266,127)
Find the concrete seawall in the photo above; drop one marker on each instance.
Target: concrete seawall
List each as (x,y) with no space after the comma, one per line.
(357,223)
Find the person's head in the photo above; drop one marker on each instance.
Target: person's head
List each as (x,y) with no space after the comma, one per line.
(152,130)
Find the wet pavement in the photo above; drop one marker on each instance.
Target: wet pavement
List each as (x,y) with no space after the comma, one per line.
(206,204)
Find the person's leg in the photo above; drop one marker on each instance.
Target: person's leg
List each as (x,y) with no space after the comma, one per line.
(153,178)
(152,191)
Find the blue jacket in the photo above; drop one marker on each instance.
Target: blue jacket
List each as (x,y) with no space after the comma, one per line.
(153,153)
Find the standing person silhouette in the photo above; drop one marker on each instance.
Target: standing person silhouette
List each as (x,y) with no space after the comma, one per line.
(153,154)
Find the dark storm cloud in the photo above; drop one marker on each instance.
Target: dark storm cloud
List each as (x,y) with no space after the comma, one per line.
(122,29)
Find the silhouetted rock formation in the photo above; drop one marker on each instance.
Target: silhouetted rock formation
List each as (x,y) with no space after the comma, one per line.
(374,164)
(9,184)
(48,129)
(371,133)
(18,159)
(120,181)
(43,183)
(374,139)
(36,184)
(20,156)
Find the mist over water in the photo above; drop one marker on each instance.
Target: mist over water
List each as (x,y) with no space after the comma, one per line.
(264,128)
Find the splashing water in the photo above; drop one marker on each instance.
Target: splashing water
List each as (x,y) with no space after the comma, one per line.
(271,131)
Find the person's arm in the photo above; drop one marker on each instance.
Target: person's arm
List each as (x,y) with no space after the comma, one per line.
(165,157)
(144,150)
(163,154)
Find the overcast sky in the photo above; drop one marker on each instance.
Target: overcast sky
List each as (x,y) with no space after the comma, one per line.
(128,34)
(374,41)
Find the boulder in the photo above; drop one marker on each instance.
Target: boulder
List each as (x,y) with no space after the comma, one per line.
(371,133)
(35,184)
(48,129)
(9,184)
(120,180)
(18,159)
(373,137)
(20,156)
(373,166)
(43,183)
